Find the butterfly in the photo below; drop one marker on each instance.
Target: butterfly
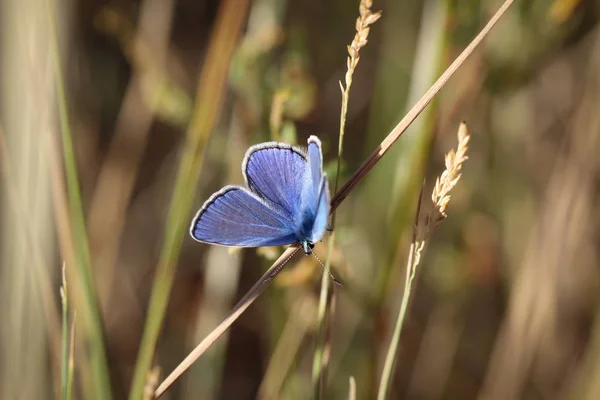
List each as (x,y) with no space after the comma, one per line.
(286,200)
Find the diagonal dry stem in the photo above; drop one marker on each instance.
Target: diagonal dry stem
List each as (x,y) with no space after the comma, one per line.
(416,110)
(339,197)
(237,310)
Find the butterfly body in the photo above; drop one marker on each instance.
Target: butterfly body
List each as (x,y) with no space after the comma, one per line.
(286,200)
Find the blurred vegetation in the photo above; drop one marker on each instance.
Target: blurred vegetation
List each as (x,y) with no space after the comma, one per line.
(104,160)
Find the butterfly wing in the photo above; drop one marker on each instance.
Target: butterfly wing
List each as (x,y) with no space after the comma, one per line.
(315,161)
(276,172)
(236,217)
(322,214)
(315,195)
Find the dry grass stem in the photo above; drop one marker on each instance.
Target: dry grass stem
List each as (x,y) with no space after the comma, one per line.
(68,342)
(71,363)
(449,178)
(440,197)
(352,389)
(414,112)
(367,18)
(363,22)
(229,319)
(326,309)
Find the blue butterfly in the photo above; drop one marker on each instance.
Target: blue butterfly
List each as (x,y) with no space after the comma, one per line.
(286,200)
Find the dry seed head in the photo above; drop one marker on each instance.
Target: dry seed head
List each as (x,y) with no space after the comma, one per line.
(450,177)
(367,17)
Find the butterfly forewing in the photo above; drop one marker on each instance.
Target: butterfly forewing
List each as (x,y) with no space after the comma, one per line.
(236,217)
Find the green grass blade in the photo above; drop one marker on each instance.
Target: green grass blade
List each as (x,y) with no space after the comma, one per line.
(71,362)
(64,337)
(99,363)
(209,97)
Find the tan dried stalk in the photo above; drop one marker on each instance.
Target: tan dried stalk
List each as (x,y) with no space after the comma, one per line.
(325,310)
(440,196)
(446,182)
(367,18)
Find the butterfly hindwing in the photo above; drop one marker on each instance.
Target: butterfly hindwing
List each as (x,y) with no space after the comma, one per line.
(315,160)
(276,172)
(236,217)
(322,214)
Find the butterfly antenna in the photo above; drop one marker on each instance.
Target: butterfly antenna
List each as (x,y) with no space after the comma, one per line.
(327,269)
(278,270)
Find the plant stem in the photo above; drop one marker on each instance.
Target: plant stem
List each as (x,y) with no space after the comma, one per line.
(210,94)
(65,339)
(393,349)
(83,259)
(319,366)
(71,363)
(365,19)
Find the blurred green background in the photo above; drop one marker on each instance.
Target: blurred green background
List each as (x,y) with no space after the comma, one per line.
(106,159)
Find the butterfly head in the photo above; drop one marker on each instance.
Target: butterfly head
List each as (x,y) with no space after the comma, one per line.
(307,246)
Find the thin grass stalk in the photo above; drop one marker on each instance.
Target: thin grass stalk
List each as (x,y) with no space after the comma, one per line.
(65,337)
(410,269)
(386,375)
(68,342)
(352,389)
(429,59)
(414,112)
(67,251)
(71,365)
(337,199)
(363,22)
(210,94)
(93,318)
(432,48)
(440,198)
(319,367)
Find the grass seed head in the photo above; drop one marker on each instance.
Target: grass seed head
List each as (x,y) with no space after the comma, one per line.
(450,177)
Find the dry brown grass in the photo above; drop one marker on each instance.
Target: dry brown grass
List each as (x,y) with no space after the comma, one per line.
(449,178)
